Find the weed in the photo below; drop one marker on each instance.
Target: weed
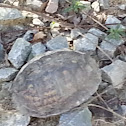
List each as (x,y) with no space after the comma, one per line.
(54,24)
(75,6)
(116,33)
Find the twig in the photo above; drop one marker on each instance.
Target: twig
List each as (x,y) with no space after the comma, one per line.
(96,21)
(100,97)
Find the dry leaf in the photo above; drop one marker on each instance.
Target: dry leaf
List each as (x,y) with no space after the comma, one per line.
(38,36)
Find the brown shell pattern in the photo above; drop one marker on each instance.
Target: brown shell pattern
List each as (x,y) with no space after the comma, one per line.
(55,82)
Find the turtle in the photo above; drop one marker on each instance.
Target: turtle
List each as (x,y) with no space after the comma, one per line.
(55,82)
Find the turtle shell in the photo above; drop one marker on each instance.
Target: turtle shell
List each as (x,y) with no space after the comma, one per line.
(55,82)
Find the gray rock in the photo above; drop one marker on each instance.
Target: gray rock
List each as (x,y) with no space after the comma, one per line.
(9,13)
(104,4)
(4,93)
(12,118)
(76,118)
(58,42)
(7,74)
(5,97)
(55,32)
(1,53)
(122,57)
(96,6)
(84,17)
(75,33)
(122,7)
(97,32)
(103,85)
(34,3)
(37,22)
(19,52)
(124,20)
(52,6)
(67,35)
(28,36)
(86,44)
(113,20)
(123,109)
(87,4)
(37,49)
(109,46)
(122,94)
(115,73)
(8,115)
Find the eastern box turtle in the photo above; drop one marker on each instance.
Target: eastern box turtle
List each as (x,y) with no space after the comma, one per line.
(55,82)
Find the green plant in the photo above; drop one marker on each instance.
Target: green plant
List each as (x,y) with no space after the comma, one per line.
(54,24)
(116,33)
(75,6)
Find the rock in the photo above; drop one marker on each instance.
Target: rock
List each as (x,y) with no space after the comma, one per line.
(114,21)
(55,32)
(34,4)
(122,57)
(115,73)
(103,85)
(124,20)
(39,36)
(104,4)
(123,109)
(9,14)
(97,33)
(28,36)
(62,3)
(109,46)
(76,118)
(4,91)
(58,42)
(12,118)
(86,44)
(19,52)
(96,6)
(37,22)
(52,6)
(37,49)
(87,6)
(67,35)
(122,7)
(75,33)
(5,96)
(122,94)
(7,74)
(1,53)
(8,115)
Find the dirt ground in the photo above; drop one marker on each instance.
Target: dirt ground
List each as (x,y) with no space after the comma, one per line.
(116,2)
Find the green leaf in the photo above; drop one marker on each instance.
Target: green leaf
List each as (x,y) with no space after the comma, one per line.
(75,6)
(116,33)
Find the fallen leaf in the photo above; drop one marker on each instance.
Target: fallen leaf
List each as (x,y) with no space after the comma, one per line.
(38,37)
